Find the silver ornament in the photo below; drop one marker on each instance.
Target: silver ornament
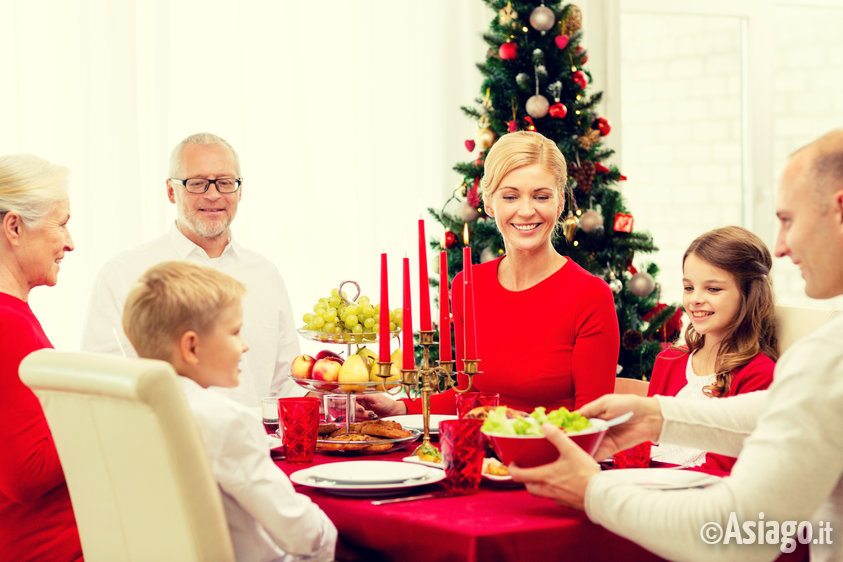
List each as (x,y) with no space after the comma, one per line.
(591,220)
(641,284)
(542,18)
(469,213)
(487,255)
(522,78)
(537,106)
(616,285)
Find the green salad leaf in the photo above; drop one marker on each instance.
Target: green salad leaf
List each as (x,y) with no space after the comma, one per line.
(570,422)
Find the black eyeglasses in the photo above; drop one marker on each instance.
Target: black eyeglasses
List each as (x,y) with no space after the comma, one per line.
(201,185)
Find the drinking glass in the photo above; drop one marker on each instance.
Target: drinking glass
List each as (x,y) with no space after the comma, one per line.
(300,424)
(339,407)
(462,447)
(269,411)
(634,457)
(467,401)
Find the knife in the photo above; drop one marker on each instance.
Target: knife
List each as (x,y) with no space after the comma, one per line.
(413,498)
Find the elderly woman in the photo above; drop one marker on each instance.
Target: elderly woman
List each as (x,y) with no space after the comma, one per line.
(36,517)
(547,331)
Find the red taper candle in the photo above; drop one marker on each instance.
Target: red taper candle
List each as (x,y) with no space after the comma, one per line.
(383,328)
(468,301)
(444,309)
(424,282)
(408,353)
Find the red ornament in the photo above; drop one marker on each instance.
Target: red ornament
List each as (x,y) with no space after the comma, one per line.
(623,222)
(602,125)
(580,52)
(469,145)
(450,239)
(580,79)
(513,126)
(600,168)
(530,125)
(561,41)
(558,110)
(472,197)
(508,51)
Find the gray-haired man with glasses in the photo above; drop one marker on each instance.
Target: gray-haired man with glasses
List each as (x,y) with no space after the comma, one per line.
(205,185)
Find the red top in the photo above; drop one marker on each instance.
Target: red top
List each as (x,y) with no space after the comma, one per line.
(669,377)
(36,517)
(554,344)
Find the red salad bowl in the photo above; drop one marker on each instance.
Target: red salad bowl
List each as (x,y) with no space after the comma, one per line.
(534,450)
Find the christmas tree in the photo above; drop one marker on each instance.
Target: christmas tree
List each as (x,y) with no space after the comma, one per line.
(535,79)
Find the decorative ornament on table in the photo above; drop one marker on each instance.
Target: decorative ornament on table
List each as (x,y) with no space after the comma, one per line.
(590,221)
(450,239)
(508,51)
(642,284)
(623,222)
(507,16)
(631,339)
(542,19)
(487,255)
(602,126)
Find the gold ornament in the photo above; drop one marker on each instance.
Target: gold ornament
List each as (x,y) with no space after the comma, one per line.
(484,138)
(573,22)
(506,15)
(569,226)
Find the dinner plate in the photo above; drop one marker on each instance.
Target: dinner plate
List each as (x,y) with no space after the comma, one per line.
(662,478)
(488,477)
(305,477)
(368,472)
(415,421)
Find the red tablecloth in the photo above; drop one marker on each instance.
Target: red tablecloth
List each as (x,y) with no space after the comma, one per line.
(497,523)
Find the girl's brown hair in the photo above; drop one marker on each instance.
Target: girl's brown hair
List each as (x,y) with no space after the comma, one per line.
(745,256)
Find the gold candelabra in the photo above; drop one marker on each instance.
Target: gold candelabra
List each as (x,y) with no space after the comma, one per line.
(426,379)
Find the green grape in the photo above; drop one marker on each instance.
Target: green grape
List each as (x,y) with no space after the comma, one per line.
(392,326)
(351,321)
(307,318)
(357,329)
(364,300)
(334,301)
(369,323)
(318,322)
(329,327)
(319,306)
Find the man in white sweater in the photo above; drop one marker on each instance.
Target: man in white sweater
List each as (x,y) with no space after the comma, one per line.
(788,439)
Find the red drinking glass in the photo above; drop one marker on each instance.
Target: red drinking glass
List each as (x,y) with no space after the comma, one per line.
(634,457)
(462,447)
(300,420)
(467,401)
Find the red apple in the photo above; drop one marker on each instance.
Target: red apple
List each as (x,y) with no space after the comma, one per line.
(328,353)
(303,366)
(327,369)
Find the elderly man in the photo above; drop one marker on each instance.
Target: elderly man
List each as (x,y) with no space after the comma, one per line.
(206,187)
(788,439)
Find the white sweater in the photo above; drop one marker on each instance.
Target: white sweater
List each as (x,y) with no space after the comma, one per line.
(789,443)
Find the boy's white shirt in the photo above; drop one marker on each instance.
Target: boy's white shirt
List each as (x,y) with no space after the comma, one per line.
(267,519)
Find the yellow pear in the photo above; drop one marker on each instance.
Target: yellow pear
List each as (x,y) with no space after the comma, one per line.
(369,357)
(353,370)
(394,378)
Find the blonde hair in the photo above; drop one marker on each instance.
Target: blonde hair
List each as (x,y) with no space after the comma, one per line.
(746,258)
(172,298)
(199,139)
(519,149)
(30,187)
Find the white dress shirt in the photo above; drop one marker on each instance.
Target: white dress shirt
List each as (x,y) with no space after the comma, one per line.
(789,444)
(267,519)
(268,325)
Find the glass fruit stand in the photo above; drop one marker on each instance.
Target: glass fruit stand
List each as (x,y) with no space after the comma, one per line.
(384,378)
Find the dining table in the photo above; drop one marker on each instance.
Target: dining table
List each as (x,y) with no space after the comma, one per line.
(501,521)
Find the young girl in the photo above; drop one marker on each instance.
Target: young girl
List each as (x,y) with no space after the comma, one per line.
(731,340)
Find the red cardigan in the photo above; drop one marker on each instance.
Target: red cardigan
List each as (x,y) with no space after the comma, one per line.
(669,378)
(36,517)
(554,344)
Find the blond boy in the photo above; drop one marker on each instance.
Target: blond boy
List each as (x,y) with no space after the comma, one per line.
(191,317)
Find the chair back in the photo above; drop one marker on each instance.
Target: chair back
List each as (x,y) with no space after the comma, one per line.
(631,386)
(794,323)
(136,468)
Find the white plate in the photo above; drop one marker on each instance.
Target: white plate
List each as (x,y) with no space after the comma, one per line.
(490,477)
(367,472)
(306,478)
(415,421)
(662,478)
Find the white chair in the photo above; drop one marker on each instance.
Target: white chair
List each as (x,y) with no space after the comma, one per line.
(793,323)
(136,468)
